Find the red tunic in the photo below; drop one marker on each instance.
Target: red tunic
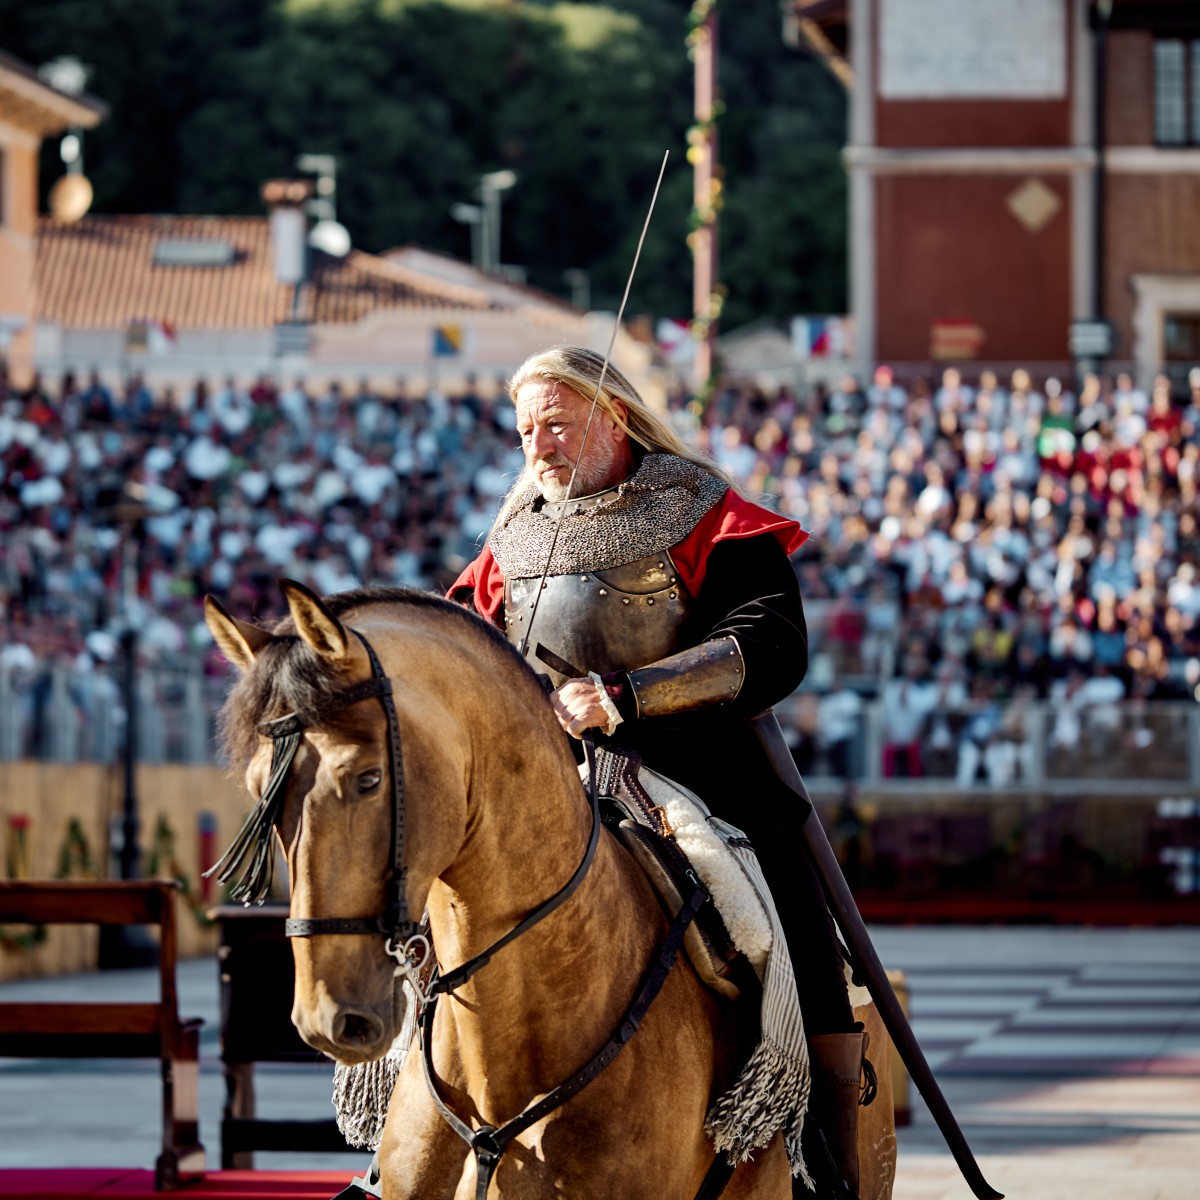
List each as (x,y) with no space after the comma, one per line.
(731,517)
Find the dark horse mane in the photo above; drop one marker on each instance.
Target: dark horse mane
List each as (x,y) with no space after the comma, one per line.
(289,677)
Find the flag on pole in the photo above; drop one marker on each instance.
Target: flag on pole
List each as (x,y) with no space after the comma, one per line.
(447,341)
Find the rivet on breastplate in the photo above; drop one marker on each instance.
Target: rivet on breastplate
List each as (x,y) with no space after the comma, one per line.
(625,600)
(604,591)
(672,579)
(661,565)
(583,579)
(650,600)
(672,596)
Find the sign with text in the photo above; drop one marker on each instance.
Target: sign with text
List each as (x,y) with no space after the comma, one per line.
(1091,339)
(955,339)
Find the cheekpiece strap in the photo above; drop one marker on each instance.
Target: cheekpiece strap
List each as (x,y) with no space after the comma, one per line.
(252,851)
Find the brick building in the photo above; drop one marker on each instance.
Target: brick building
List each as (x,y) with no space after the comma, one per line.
(1017,167)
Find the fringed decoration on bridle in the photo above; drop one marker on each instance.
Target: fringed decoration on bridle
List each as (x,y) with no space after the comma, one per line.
(255,840)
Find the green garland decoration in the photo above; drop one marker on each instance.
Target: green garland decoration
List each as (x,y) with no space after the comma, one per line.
(74,861)
(704,215)
(163,861)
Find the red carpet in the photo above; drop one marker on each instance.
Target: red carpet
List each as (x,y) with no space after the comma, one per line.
(122,1183)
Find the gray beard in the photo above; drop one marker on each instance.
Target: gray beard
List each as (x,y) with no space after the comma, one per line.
(587,479)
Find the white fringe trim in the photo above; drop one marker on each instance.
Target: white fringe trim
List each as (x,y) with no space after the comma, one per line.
(770,1096)
(362,1093)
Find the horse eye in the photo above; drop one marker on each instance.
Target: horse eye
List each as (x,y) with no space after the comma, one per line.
(368,781)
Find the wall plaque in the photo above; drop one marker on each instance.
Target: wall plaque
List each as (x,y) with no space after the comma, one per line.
(989,49)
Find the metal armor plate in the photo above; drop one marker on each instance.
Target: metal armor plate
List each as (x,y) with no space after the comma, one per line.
(612,620)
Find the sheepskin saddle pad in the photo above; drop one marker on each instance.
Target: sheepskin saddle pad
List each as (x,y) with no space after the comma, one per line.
(674,839)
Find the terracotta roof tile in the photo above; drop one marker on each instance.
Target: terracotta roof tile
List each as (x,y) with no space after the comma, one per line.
(100,273)
(346,290)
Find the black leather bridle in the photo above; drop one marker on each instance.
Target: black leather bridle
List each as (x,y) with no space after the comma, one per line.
(396,924)
(252,851)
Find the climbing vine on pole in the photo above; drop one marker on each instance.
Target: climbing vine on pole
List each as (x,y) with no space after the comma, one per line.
(708,295)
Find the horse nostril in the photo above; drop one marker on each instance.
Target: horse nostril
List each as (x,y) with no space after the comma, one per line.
(357,1029)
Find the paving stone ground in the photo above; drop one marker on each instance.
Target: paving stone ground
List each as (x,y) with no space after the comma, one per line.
(1070,1056)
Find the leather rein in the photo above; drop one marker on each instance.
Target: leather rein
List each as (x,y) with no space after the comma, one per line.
(403,934)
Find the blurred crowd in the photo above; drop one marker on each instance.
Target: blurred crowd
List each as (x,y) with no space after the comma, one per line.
(980,547)
(970,545)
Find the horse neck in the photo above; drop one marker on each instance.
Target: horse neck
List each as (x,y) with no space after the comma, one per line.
(517,1026)
(528,825)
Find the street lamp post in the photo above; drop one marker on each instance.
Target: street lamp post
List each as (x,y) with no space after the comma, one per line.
(130,945)
(580,283)
(472,215)
(120,945)
(328,235)
(491,186)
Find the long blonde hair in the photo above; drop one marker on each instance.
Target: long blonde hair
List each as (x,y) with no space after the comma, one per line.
(580,369)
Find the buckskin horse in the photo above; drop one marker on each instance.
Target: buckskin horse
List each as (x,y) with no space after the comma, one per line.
(408,760)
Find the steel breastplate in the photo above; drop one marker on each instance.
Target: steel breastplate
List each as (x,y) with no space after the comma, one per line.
(611,620)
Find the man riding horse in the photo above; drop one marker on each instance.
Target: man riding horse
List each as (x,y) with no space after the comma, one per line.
(662,605)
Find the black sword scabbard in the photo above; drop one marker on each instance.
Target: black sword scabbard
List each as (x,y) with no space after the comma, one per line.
(867,968)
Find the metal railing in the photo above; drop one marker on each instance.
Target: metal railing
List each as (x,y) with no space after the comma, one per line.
(1128,747)
(58,713)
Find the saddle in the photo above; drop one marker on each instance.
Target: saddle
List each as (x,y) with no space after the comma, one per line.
(643,828)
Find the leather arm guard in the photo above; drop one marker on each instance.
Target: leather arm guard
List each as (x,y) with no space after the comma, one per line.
(700,677)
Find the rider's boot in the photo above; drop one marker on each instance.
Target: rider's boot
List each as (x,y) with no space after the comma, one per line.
(837,1074)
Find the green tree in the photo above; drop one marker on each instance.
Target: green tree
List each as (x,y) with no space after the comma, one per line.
(418,98)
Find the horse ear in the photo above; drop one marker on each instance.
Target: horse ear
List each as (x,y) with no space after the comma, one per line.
(239,640)
(314,622)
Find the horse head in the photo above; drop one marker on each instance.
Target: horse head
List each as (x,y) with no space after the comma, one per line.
(307,724)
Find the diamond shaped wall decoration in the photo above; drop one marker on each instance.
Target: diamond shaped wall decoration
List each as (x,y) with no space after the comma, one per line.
(1034,204)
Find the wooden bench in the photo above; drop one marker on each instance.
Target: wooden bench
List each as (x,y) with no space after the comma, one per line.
(257,980)
(84,1029)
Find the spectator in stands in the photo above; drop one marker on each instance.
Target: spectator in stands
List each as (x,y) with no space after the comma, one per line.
(838,727)
(907,703)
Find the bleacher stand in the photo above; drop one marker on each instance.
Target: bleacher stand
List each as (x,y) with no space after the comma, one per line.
(971,542)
